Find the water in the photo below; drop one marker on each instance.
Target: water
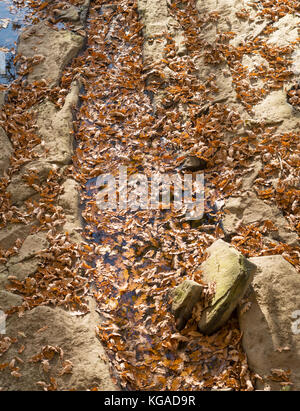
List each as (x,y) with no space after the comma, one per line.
(12,19)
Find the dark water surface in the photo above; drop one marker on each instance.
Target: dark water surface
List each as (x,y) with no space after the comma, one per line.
(12,19)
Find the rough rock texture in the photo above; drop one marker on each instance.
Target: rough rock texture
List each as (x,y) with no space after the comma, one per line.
(6,151)
(158,21)
(9,300)
(248,209)
(57,48)
(69,14)
(69,201)
(26,262)
(75,336)
(19,190)
(55,127)
(268,338)
(232,273)
(185,296)
(11,233)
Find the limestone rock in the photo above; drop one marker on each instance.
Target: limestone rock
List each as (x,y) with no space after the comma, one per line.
(248,209)
(4,280)
(69,200)
(69,14)
(26,262)
(57,48)
(6,151)
(232,274)
(271,337)
(33,244)
(23,269)
(19,190)
(185,296)
(287,31)
(9,300)
(13,232)
(74,335)
(55,127)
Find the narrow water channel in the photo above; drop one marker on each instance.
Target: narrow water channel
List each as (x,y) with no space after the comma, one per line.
(140,255)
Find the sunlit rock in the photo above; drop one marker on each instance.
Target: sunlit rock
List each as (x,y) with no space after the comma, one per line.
(232,274)
(185,296)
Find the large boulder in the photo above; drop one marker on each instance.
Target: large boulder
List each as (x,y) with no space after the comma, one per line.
(57,49)
(232,274)
(248,209)
(269,322)
(52,349)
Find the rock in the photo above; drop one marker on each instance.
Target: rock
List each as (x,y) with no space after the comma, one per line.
(232,274)
(269,329)
(2,98)
(55,127)
(75,336)
(251,175)
(184,297)
(6,151)
(248,209)
(287,31)
(19,190)
(26,262)
(69,200)
(69,14)
(13,232)
(24,269)
(9,300)
(31,247)
(193,163)
(57,48)
(4,280)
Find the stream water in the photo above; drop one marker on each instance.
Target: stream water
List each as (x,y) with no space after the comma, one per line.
(138,255)
(12,19)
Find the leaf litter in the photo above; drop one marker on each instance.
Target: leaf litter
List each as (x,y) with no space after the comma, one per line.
(131,259)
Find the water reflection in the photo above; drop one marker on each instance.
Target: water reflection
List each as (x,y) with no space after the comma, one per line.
(12,19)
